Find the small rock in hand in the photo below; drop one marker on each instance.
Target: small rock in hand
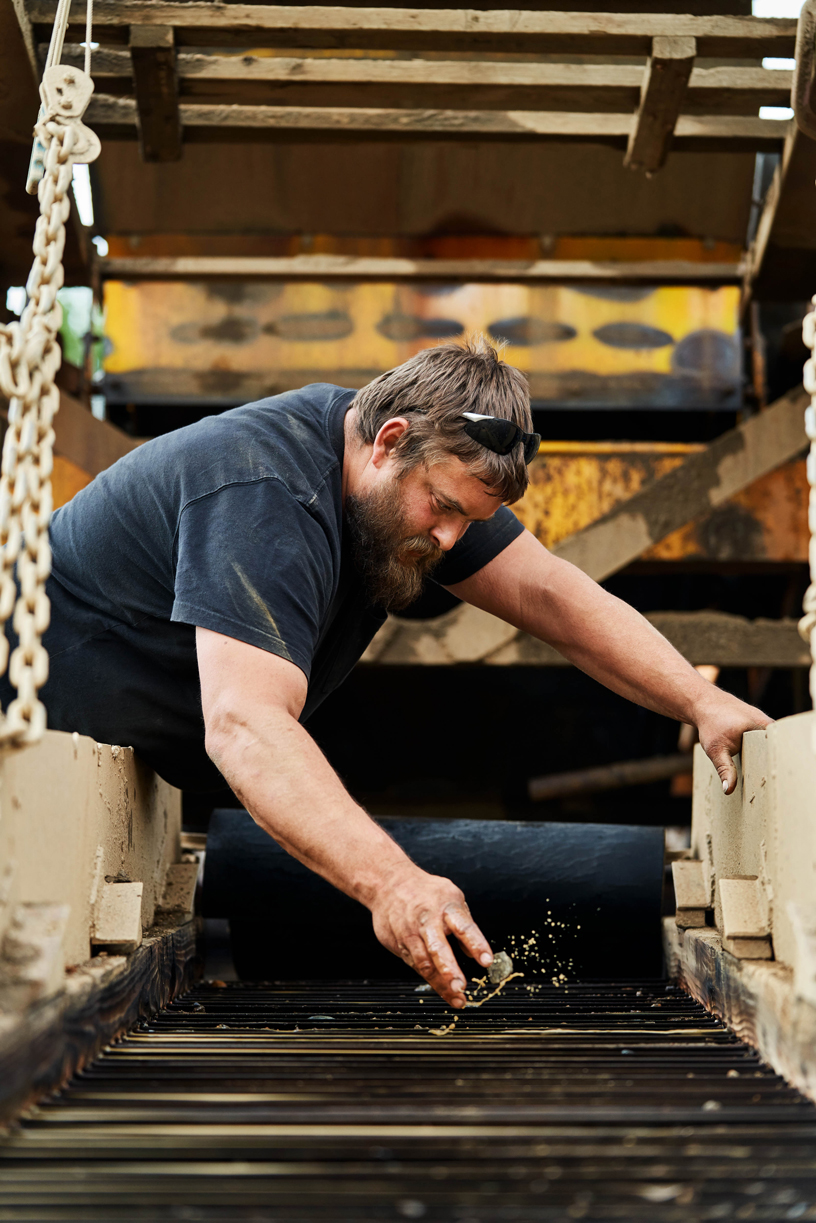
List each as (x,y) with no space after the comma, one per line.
(501,968)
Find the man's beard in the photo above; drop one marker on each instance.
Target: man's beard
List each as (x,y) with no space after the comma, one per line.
(393,566)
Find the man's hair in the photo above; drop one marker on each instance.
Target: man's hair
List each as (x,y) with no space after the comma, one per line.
(432,390)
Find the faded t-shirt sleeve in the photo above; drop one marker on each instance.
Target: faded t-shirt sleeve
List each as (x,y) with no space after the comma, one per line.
(254,564)
(481,542)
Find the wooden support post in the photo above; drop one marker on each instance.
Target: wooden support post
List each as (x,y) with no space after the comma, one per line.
(661,97)
(154,75)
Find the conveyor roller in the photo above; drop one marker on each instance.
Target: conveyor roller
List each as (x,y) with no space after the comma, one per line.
(591,893)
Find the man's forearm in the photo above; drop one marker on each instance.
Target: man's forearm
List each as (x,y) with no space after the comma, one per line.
(288,786)
(290,789)
(553,600)
(614,644)
(251,701)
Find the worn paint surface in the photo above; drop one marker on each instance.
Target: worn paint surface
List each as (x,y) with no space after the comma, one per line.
(587,345)
(725,468)
(74,813)
(574,484)
(66,480)
(767,827)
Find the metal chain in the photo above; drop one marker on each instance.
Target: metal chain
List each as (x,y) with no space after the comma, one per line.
(807,625)
(30,357)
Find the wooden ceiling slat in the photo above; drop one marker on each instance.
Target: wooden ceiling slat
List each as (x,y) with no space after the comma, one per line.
(462,84)
(438,29)
(744,130)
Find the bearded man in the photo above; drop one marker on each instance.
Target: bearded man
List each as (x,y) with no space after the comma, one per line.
(212,587)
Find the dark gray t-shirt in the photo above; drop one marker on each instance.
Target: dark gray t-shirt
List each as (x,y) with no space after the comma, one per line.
(232,524)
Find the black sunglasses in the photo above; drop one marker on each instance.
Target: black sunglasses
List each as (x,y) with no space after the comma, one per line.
(500,436)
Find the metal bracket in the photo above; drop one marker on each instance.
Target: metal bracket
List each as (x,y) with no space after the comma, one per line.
(65,94)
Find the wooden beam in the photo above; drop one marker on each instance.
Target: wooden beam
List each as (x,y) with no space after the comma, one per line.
(218,122)
(758,249)
(703,481)
(27,32)
(469,636)
(609,777)
(757,1000)
(153,58)
(661,97)
(471,271)
(223,24)
(93,445)
(41,1048)
(20,77)
(540,86)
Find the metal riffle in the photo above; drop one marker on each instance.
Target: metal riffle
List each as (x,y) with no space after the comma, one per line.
(335,1102)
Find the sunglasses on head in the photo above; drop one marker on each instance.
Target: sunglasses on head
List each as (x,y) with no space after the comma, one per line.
(500,436)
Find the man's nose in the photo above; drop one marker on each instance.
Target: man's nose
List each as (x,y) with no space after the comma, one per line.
(445,535)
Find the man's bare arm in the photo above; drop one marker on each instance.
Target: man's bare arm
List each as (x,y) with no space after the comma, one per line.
(553,600)
(251,701)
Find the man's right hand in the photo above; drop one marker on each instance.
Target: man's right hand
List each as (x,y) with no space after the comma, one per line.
(413,917)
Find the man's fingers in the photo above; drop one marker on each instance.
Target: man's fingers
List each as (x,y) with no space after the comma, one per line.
(460,923)
(720,757)
(444,962)
(415,953)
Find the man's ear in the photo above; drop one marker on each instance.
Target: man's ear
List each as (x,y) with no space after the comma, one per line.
(387,438)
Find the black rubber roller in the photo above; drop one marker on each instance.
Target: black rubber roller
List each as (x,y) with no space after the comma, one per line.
(591,893)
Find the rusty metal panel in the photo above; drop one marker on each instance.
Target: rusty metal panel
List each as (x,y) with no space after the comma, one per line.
(594,346)
(575,483)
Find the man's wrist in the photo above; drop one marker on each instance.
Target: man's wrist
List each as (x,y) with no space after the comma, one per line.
(387,869)
(707,701)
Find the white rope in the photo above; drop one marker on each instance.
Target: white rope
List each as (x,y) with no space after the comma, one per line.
(807,625)
(88,36)
(58,33)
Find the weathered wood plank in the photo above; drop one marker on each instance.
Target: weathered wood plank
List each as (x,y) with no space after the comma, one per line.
(91,444)
(27,33)
(467,635)
(352,267)
(703,481)
(724,640)
(604,777)
(755,998)
(436,29)
(758,250)
(43,1046)
(661,98)
(153,58)
(763,84)
(463,84)
(357,121)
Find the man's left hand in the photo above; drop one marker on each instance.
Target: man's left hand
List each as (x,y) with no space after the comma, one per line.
(721,724)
